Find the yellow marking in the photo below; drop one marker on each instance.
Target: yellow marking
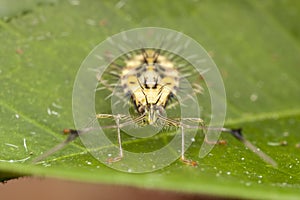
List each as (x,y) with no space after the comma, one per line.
(150,78)
(150,68)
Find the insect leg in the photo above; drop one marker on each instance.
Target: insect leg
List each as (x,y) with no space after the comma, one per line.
(202,126)
(237,133)
(72,135)
(182,158)
(118,158)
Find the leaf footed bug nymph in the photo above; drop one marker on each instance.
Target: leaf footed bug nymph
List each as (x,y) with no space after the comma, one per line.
(151,79)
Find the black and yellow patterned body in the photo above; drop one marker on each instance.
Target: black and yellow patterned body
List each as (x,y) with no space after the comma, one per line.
(151,80)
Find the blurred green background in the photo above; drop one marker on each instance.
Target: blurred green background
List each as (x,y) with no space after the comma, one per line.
(255,44)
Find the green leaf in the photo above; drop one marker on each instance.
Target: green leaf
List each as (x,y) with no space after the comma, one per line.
(255,44)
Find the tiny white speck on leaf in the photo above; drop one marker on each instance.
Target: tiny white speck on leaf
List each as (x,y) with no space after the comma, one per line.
(25,145)
(74,2)
(91,22)
(253,97)
(285,134)
(88,162)
(48,111)
(120,4)
(56,106)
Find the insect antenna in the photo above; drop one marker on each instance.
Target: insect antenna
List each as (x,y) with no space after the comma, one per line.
(144,54)
(156,55)
(73,134)
(236,133)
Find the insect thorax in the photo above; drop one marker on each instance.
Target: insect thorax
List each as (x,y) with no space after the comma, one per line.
(150,79)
